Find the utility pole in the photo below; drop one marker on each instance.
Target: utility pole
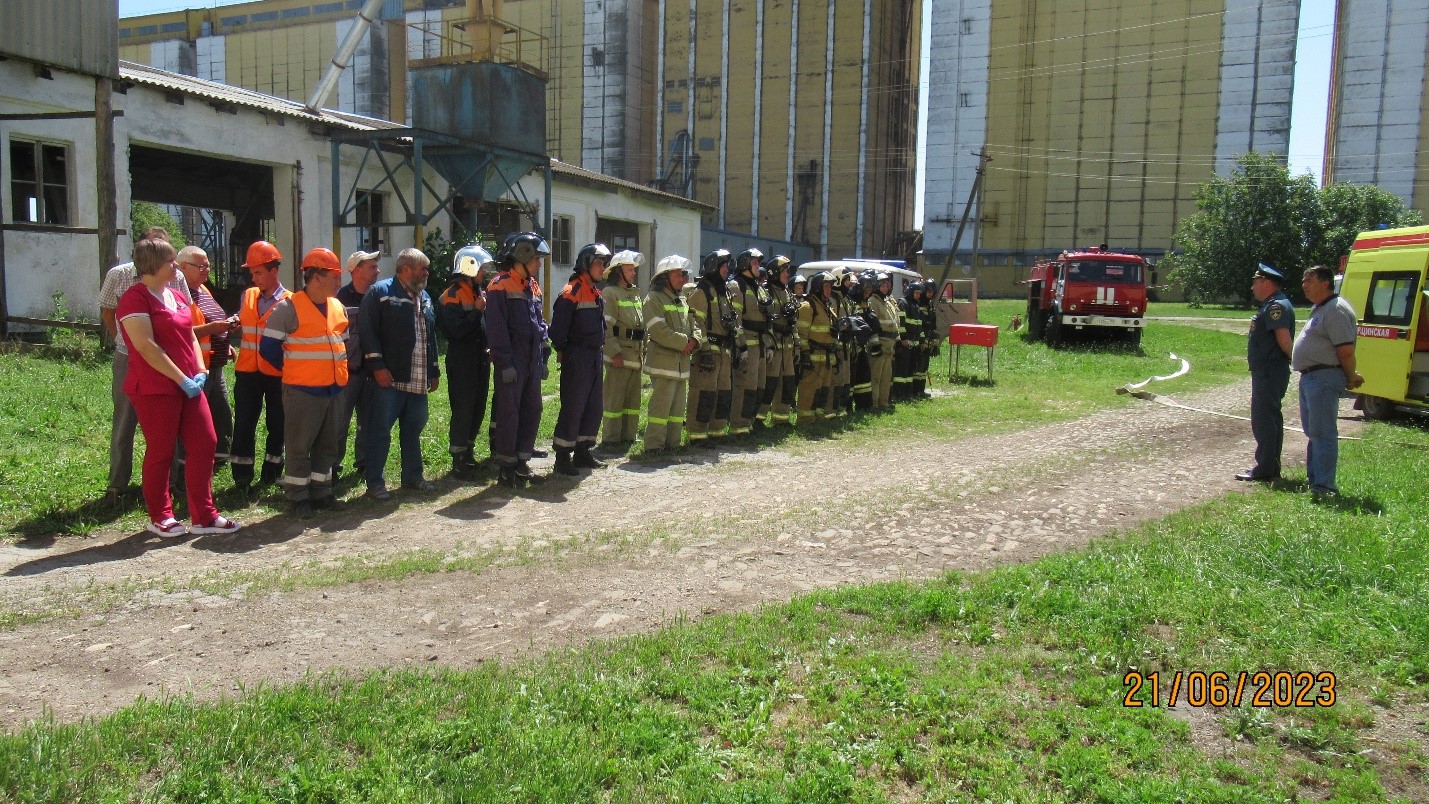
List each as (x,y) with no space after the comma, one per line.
(983,159)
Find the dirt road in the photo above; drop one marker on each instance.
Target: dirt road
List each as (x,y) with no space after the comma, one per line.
(619,552)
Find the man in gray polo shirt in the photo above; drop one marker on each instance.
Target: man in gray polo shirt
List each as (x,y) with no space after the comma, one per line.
(1324,354)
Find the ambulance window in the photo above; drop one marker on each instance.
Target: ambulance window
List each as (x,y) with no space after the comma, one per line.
(1391,298)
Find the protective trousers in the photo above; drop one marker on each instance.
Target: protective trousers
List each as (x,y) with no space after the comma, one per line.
(839,400)
(710,395)
(903,360)
(861,377)
(921,361)
(578,423)
(1267,419)
(815,389)
(253,393)
(780,385)
(468,385)
(312,430)
(667,413)
(749,388)
(515,415)
(622,403)
(880,370)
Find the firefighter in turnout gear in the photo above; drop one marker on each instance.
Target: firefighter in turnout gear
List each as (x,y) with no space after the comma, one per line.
(578,336)
(305,338)
(910,340)
(711,394)
(864,339)
(780,381)
(932,340)
(883,314)
(671,336)
(625,336)
(818,353)
(258,385)
(755,307)
(461,318)
(798,286)
(841,399)
(516,334)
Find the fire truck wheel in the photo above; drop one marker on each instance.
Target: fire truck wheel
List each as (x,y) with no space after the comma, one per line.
(1054,329)
(1377,407)
(1035,321)
(1135,339)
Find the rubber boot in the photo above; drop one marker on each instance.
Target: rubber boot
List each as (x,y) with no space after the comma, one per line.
(585,460)
(564,465)
(507,476)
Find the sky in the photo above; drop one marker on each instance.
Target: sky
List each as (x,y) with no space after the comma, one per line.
(1308,106)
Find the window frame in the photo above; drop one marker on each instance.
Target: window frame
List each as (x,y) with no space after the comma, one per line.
(40,181)
(1410,299)
(562,245)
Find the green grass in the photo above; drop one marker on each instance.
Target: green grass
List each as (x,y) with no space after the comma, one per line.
(1003,685)
(1188,310)
(55,425)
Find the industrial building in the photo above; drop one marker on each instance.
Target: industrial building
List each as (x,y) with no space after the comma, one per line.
(1379,95)
(1098,120)
(793,120)
(85,135)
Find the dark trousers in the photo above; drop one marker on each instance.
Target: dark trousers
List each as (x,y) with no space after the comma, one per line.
(1267,421)
(253,393)
(357,402)
(582,398)
(468,385)
(515,415)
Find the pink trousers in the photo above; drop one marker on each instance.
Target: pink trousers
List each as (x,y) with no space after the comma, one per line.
(165,420)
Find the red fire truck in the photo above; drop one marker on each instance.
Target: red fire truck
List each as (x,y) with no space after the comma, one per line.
(1088,288)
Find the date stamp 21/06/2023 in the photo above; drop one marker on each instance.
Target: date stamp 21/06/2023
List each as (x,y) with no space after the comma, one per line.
(1197,688)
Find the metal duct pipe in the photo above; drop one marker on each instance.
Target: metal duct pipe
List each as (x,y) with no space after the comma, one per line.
(344,55)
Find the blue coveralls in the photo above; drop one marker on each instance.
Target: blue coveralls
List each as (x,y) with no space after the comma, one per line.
(516,335)
(577,334)
(1269,377)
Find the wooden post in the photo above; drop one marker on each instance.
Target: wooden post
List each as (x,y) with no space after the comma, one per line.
(104,177)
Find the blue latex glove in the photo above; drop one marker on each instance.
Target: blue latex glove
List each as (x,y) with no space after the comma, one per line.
(508,374)
(192,387)
(201,378)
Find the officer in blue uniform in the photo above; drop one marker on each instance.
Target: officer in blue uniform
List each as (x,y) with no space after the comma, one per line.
(1271,334)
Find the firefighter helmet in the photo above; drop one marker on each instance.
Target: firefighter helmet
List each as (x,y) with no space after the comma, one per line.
(741,263)
(523,247)
(471,260)
(669,264)
(798,279)
(261,253)
(820,281)
(626,257)
(776,264)
(588,255)
(713,261)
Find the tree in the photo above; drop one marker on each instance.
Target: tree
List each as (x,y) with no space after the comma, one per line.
(1259,213)
(143,215)
(1348,209)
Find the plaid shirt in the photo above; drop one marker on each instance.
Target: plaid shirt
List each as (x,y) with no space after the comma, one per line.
(418,382)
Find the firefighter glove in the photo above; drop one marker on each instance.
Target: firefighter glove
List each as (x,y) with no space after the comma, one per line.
(508,374)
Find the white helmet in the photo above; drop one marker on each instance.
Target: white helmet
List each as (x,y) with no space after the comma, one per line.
(674,262)
(472,260)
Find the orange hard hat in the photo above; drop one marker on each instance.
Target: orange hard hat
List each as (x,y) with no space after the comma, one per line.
(322,258)
(261,253)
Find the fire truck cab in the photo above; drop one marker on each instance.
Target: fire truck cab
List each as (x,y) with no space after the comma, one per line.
(1384,281)
(1088,288)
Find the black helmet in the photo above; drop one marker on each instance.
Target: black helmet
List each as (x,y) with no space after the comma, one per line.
(798,279)
(522,247)
(774,266)
(710,265)
(867,283)
(820,280)
(741,263)
(590,254)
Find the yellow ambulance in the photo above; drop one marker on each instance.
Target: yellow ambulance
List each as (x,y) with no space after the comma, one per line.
(1385,280)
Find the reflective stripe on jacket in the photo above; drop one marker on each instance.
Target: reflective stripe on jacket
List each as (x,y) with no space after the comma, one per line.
(253,323)
(315,354)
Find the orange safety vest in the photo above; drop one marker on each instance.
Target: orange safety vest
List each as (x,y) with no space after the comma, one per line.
(252,323)
(315,354)
(205,342)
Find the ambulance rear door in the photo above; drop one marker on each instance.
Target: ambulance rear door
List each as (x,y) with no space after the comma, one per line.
(1385,285)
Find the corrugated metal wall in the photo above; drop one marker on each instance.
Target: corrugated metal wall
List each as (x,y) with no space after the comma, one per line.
(46,31)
